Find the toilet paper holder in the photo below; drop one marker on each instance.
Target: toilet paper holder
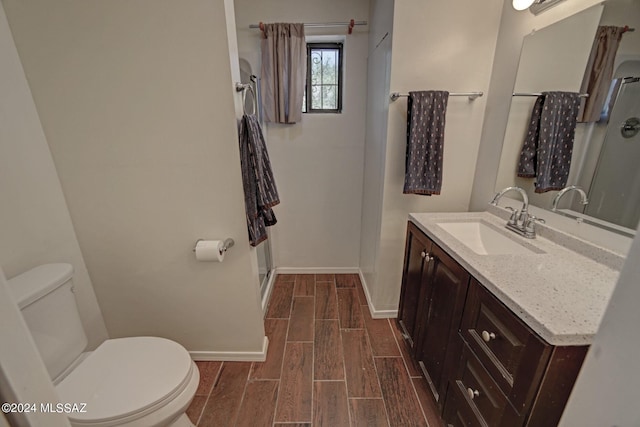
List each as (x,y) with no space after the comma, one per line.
(225,246)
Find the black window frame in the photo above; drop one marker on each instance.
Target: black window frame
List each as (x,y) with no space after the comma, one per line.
(324,46)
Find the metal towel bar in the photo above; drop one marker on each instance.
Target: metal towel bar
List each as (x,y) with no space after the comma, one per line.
(582,95)
(472,95)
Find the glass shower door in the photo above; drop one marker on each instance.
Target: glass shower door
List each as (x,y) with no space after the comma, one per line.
(615,190)
(264,264)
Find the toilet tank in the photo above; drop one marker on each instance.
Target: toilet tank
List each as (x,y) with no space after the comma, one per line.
(45,298)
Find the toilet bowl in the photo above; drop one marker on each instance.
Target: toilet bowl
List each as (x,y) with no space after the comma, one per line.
(140,381)
(133,382)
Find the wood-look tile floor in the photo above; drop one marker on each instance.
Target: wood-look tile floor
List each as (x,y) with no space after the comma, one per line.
(328,364)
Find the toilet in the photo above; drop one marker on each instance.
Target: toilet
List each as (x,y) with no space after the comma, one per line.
(133,382)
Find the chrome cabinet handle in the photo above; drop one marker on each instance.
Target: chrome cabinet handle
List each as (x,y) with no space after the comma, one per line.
(472,393)
(423,254)
(488,336)
(427,257)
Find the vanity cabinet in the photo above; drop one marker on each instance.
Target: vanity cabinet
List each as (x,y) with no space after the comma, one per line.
(484,365)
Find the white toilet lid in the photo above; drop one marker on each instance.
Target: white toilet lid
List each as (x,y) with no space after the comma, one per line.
(125,376)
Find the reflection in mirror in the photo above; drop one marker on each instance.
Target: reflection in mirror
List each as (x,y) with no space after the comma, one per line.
(604,162)
(615,187)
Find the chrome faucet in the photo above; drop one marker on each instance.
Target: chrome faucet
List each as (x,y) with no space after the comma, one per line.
(556,200)
(520,221)
(525,201)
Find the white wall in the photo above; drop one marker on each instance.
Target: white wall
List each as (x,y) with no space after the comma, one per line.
(604,393)
(35,226)
(137,102)
(514,26)
(318,163)
(447,45)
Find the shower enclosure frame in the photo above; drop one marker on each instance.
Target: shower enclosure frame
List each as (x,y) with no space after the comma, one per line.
(263,250)
(613,129)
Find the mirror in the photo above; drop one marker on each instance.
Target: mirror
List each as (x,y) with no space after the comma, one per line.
(604,162)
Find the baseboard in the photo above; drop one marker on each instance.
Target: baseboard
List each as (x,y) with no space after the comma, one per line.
(376,314)
(267,292)
(232,356)
(317,270)
(384,314)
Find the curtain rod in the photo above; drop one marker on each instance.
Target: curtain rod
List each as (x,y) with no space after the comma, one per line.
(351,23)
(582,95)
(472,95)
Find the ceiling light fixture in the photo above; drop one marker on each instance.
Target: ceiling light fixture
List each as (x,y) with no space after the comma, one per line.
(522,4)
(534,6)
(540,6)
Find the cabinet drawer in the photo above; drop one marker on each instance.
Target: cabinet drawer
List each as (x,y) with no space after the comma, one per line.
(474,398)
(481,390)
(511,352)
(458,412)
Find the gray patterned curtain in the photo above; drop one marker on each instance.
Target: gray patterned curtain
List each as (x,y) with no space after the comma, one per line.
(597,77)
(284,67)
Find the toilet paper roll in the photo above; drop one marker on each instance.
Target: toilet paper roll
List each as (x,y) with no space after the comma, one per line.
(210,250)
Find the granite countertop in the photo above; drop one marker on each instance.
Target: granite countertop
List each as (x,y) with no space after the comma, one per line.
(559,293)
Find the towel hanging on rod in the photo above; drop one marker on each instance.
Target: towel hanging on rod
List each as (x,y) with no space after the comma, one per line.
(472,95)
(548,145)
(426,112)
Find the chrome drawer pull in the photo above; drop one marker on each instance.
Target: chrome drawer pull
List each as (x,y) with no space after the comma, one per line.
(472,393)
(488,336)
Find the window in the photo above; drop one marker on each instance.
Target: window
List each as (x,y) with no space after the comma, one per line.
(323,93)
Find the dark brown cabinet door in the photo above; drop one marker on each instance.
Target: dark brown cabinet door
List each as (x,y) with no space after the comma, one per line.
(438,347)
(417,247)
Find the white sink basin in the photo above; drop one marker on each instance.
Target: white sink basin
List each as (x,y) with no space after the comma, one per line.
(486,239)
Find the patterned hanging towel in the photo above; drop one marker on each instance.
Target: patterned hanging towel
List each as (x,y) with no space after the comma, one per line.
(546,152)
(527,164)
(260,193)
(425,142)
